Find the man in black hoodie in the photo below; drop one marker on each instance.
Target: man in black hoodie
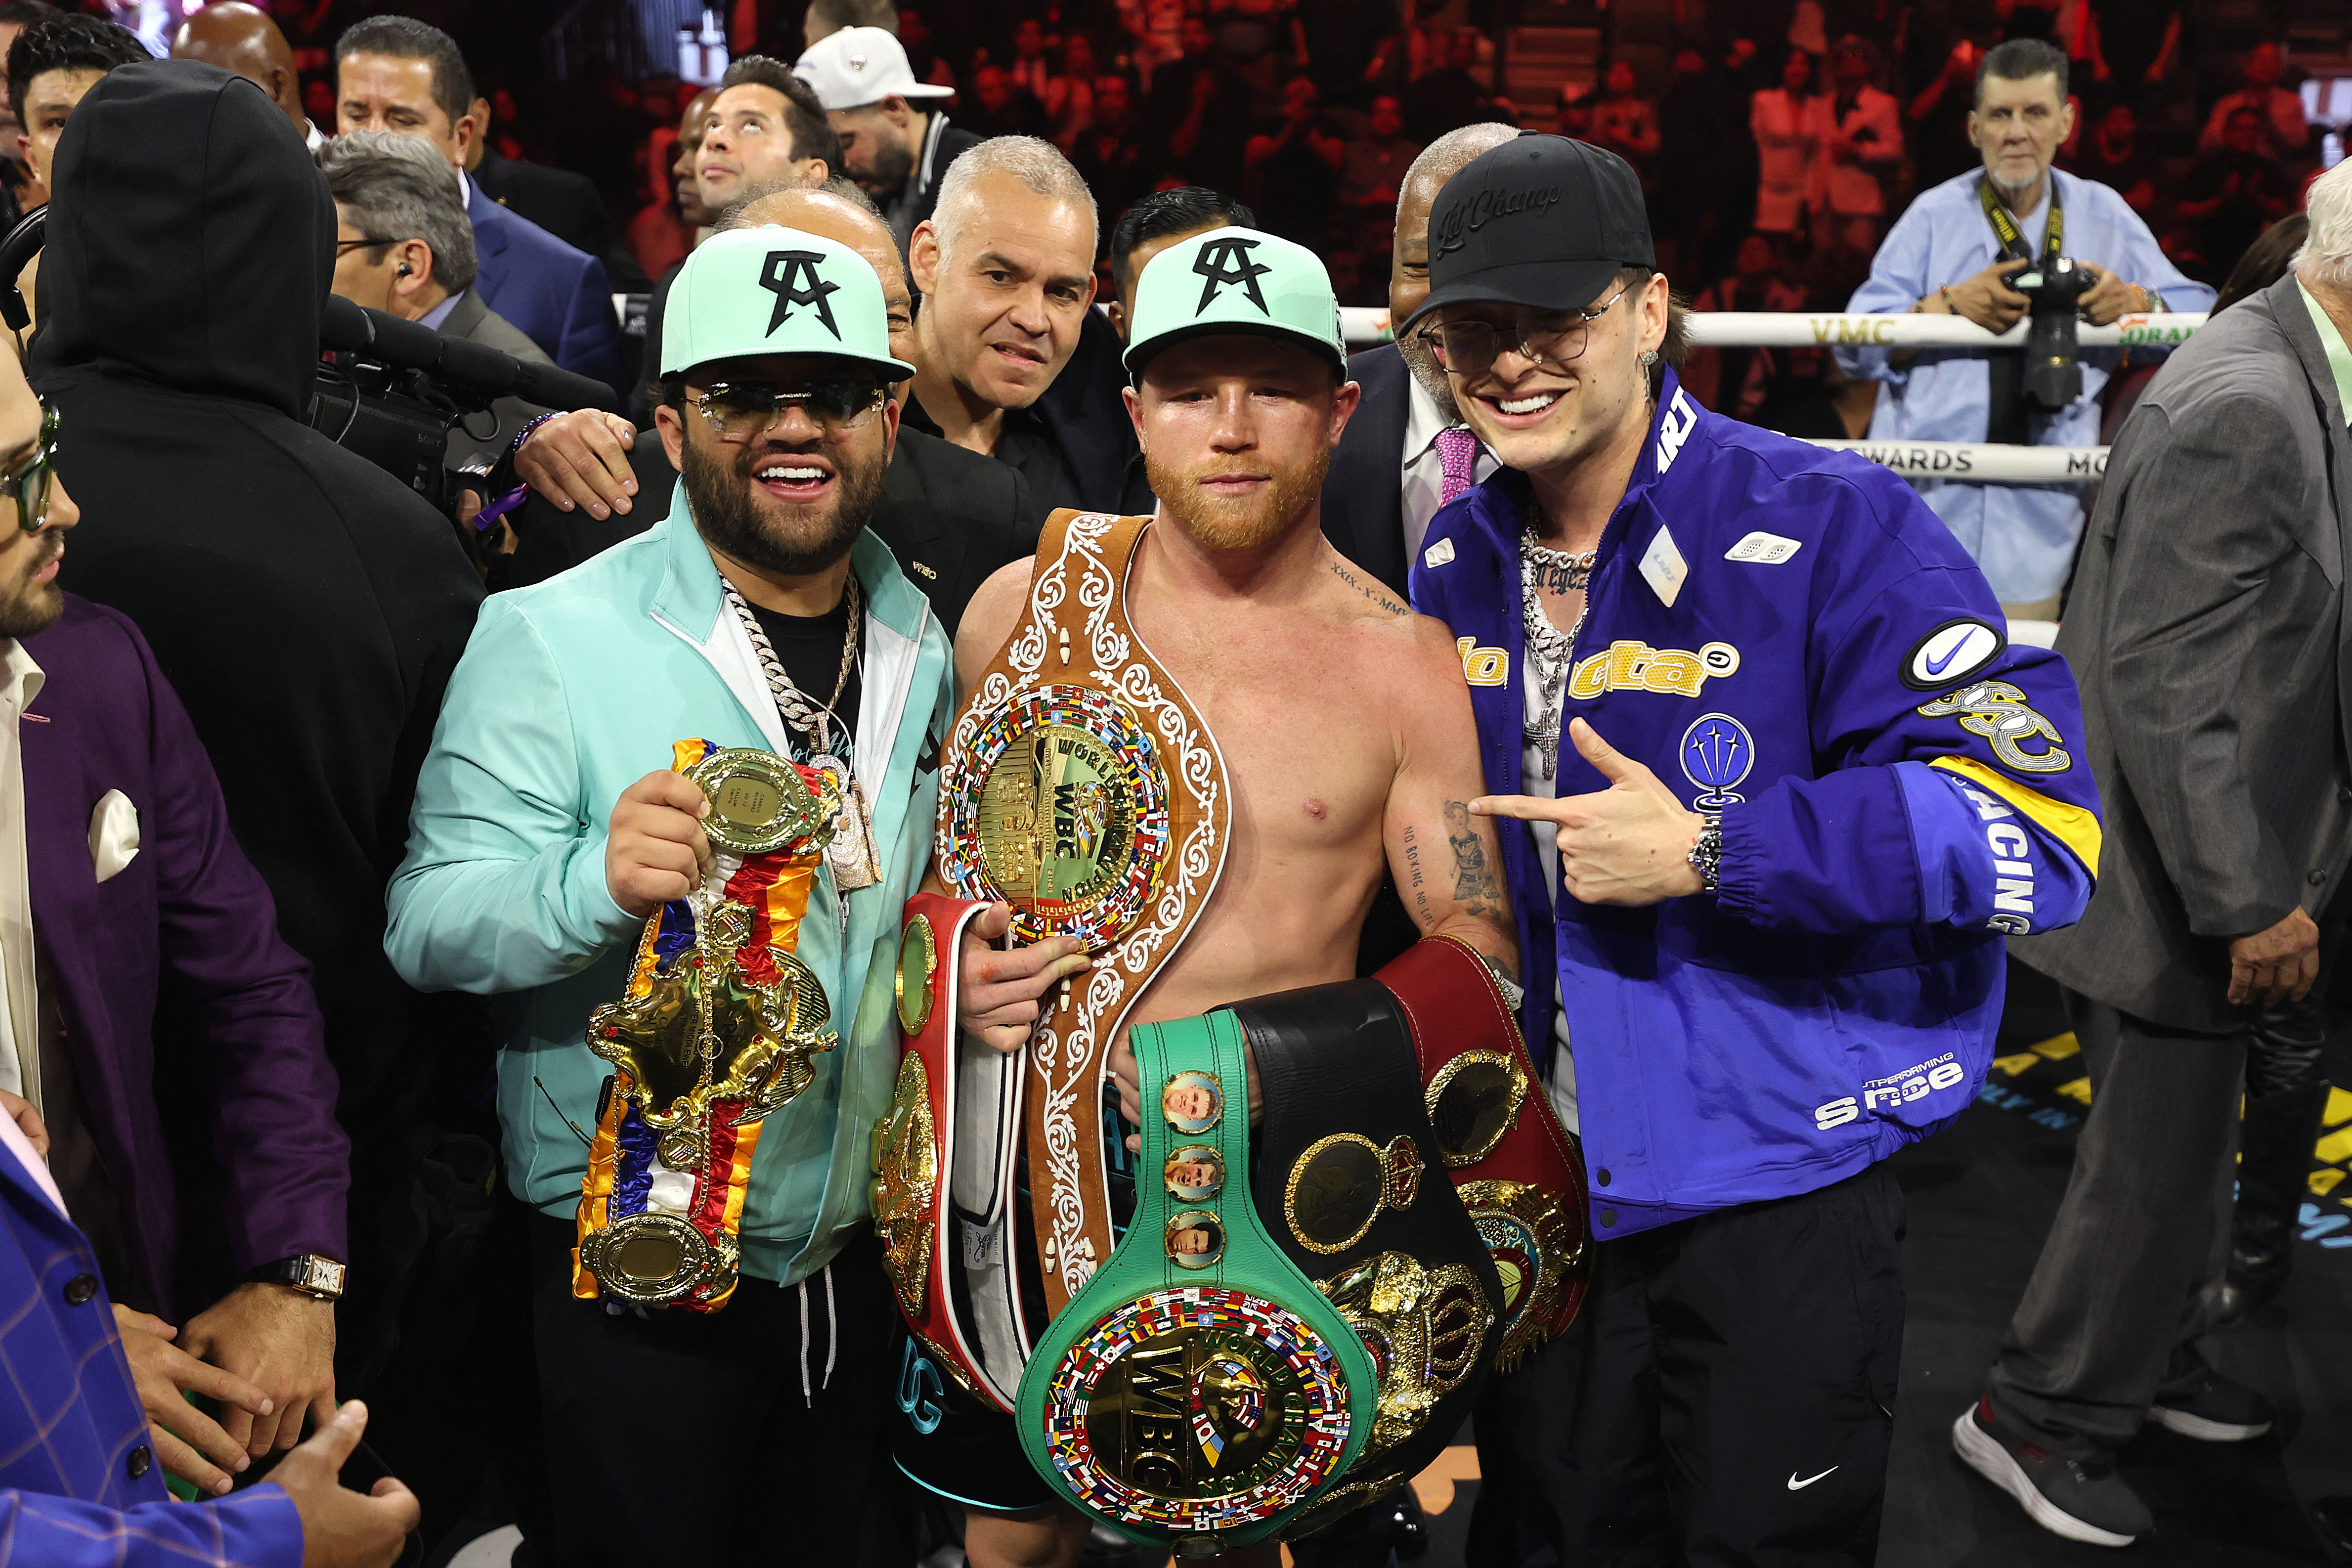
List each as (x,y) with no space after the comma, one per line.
(307,607)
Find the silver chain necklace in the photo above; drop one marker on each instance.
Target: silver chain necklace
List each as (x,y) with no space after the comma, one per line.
(851,850)
(812,720)
(1550,650)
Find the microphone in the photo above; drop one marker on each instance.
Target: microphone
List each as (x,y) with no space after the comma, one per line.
(355,328)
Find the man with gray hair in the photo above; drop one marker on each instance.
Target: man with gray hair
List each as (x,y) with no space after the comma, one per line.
(1375,510)
(1005,267)
(405,245)
(2202,630)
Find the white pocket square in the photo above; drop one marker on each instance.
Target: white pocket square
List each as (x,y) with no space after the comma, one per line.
(113,833)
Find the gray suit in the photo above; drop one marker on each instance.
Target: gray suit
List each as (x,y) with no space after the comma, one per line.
(470,318)
(2207,631)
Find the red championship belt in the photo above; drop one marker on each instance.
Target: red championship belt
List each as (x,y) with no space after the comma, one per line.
(1519,1173)
(943,1163)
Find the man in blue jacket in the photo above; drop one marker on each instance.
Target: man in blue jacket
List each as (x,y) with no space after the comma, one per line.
(88,1493)
(396,73)
(1787,787)
(762,613)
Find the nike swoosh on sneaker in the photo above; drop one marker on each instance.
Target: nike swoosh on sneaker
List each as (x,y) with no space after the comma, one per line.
(1797,1485)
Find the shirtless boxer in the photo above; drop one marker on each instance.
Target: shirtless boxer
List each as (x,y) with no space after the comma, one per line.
(1343,718)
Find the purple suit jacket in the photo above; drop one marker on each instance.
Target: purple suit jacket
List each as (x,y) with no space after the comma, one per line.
(178,952)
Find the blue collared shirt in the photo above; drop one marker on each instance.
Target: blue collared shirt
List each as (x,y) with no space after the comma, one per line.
(2022,536)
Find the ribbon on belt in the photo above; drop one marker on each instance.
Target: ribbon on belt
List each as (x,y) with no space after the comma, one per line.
(713,1034)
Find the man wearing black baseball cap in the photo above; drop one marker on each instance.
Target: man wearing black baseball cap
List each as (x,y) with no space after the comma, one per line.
(1767,907)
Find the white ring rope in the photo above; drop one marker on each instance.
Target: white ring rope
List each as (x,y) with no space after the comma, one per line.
(1977,462)
(1982,463)
(1363,326)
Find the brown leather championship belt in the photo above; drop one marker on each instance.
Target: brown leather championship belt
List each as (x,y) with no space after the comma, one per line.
(1079,785)
(1518,1172)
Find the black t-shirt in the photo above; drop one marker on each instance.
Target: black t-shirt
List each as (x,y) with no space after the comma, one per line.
(810,648)
(1027,446)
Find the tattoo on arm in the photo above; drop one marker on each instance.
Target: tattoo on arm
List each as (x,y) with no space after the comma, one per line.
(1475,887)
(1422,913)
(1376,596)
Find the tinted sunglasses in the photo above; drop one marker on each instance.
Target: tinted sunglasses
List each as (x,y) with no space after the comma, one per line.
(740,410)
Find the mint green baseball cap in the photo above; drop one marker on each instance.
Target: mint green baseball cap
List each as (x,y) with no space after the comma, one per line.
(1235,281)
(776,290)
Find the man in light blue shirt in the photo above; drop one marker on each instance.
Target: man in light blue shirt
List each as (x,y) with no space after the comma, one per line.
(1943,258)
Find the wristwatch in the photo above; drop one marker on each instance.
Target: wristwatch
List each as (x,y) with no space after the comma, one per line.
(1706,856)
(317,1276)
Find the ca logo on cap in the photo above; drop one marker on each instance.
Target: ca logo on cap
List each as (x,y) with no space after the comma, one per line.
(792,278)
(1226,262)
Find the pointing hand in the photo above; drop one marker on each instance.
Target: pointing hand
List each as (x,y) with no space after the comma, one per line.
(1627,845)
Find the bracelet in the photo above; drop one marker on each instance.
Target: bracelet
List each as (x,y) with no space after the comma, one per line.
(1705,856)
(524,434)
(1949,303)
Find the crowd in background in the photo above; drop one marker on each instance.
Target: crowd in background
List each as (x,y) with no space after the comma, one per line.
(1776,139)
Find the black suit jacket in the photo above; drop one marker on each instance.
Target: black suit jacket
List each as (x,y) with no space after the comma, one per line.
(1363,493)
(1087,419)
(952,517)
(569,206)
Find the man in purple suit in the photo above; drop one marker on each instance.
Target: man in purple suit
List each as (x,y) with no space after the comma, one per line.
(138,954)
(86,1493)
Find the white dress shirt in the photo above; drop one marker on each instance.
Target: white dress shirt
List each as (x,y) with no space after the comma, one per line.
(1425,470)
(20,1061)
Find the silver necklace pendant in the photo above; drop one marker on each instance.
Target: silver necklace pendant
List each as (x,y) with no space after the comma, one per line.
(850,851)
(1549,650)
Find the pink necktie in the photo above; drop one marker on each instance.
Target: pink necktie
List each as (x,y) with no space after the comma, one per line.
(1457,453)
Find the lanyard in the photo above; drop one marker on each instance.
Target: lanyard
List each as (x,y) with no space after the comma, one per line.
(2004,227)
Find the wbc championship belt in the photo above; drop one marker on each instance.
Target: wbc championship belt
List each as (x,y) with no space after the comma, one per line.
(1200,1391)
(713,1034)
(1079,785)
(1518,1172)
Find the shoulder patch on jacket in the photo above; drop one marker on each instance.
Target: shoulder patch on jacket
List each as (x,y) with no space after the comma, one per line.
(1951,654)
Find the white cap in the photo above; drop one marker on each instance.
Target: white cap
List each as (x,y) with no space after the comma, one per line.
(858,65)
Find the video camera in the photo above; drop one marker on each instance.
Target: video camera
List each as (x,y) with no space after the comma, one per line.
(393,389)
(388,390)
(2053,364)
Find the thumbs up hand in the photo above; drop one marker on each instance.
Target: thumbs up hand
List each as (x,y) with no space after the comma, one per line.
(1629,844)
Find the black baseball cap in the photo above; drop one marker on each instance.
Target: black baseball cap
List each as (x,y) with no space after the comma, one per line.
(1541,221)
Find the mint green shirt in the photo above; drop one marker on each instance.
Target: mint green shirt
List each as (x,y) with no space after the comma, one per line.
(2339,354)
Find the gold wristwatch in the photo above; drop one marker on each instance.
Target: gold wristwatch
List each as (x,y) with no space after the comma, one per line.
(317,1276)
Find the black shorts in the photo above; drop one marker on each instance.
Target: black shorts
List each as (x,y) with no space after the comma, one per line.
(955,1444)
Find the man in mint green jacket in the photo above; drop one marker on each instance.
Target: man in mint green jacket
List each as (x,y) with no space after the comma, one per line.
(760,614)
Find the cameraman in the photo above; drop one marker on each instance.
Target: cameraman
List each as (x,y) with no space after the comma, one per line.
(1956,252)
(402,246)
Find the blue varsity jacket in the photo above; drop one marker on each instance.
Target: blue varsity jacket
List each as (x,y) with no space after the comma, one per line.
(1787,636)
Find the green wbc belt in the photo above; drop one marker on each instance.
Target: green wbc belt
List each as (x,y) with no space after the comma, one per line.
(1199,1392)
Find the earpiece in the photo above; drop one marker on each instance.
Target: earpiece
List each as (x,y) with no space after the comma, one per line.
(404,270)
